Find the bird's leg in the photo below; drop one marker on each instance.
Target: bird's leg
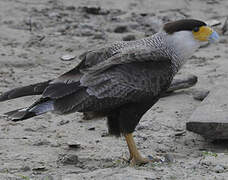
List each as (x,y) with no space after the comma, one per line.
(135,156)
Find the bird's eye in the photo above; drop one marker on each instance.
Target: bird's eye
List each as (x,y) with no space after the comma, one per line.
(196,29)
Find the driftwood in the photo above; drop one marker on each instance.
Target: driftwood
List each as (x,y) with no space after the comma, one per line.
(210,119)
(177,84)
(182,83)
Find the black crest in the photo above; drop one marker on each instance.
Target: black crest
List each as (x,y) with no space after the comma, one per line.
(183,25)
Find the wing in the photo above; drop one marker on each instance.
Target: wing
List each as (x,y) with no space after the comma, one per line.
(119,85)
(132,80)
(137,51)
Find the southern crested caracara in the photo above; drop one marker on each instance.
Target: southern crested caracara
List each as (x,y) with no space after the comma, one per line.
(122,80)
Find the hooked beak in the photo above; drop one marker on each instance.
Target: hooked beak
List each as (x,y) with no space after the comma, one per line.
(214,37)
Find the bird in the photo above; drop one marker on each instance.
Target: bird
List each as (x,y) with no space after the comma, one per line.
(122,80)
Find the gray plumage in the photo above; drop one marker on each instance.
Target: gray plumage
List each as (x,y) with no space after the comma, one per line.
(124,74)
(116,74)
(111,76)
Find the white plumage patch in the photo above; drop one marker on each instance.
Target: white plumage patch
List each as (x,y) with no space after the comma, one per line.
(184,43)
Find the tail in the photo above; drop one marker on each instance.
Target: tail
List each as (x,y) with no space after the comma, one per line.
(39,107)
(34,89)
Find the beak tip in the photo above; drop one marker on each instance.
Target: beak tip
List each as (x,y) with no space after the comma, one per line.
(214,37)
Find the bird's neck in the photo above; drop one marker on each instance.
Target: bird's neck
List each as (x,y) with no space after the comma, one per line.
(183,43)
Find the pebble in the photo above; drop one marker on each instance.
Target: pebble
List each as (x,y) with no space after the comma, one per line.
(67,57)
(180,133)
(30,130)
(73,144)
(63,29)
(25,168)
(41,142)
(54,144)
(71,159)
(86,32)
(140,127)
(218,169)
(200,95)
(63,122)
(169,158)
(53,14)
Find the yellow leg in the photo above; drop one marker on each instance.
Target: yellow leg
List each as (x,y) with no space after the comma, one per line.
(135,156)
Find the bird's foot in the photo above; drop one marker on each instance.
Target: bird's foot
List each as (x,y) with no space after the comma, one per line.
(141,160)
(138,161)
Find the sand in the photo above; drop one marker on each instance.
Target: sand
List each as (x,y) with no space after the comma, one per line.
(34,35)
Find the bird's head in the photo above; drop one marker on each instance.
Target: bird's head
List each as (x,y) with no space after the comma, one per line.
(188,34)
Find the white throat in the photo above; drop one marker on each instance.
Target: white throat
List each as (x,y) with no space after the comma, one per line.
(184,43)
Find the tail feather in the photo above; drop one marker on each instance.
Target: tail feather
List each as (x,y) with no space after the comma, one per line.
(19,114)
(40,107)
(34,89)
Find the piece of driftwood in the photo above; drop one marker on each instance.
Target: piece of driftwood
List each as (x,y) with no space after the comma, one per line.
(181,82)
(210,119)
(178,83)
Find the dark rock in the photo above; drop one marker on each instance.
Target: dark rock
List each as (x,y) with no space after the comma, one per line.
(182,82)
(121,29)
(91,128)
(225,26)
(40,168)
(129,37)
(70,8)
(200,95)
(105,134)
(180,133)
(99,36)
(143,14)
(95,10)
(68,159)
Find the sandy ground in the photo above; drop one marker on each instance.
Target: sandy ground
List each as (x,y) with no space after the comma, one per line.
(33,37)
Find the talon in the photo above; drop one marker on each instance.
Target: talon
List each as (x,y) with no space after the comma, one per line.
(140,161)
